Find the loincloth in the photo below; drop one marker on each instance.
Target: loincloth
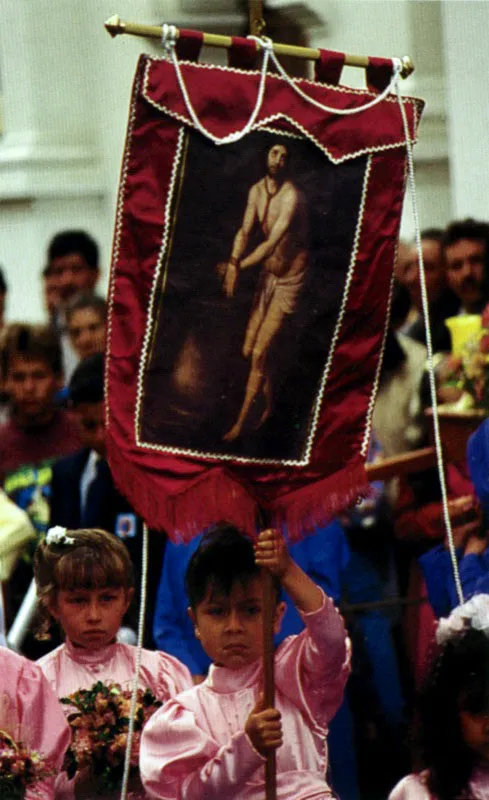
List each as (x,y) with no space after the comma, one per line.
(282,292)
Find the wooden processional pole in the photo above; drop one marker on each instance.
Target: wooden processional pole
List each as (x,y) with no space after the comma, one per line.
(269,603)
(255,13)
(256,28)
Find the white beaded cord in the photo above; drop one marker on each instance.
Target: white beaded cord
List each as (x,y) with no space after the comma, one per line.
(137,669)
(429,346)
(168,38)
(396,74)
(169,41)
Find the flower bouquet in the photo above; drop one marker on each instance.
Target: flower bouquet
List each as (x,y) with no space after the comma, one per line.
(467,369)
(20,768)
(99,729)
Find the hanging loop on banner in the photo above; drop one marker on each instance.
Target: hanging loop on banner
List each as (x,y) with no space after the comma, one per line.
(391,87)
(168,38)
(169,43)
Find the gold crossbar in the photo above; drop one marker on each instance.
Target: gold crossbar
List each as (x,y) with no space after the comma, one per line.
(116,26)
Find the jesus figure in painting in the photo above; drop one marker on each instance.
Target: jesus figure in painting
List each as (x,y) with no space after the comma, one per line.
(279,208)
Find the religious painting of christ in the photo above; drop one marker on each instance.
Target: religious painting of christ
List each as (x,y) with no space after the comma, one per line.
(251,278)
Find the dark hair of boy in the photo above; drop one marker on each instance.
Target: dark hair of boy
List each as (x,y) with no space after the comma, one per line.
(36,342)
(87,382)
(433,234)
(457,681)
(224,557)
(465,229)
(74,241)
(86,300)
(3,282)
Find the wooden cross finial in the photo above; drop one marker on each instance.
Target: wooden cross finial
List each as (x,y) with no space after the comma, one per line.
(255,12)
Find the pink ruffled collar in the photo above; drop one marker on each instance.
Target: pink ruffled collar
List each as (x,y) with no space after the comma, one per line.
(479,782)
(90,657)
(227,681)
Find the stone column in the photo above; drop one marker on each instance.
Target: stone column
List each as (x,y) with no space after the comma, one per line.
(465,27)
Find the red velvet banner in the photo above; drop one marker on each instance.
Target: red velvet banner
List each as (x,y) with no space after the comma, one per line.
(248,298)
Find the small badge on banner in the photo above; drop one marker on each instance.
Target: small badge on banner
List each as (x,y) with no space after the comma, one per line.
(125,526)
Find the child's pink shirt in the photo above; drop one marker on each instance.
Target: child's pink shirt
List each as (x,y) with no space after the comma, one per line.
(30,712)
(195,746)
(70,668)
(413,787)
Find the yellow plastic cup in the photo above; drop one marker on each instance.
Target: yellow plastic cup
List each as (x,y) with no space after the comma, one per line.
(462,329)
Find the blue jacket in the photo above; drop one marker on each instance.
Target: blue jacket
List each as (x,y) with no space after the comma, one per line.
(436,564)
(478,463)
(437,571)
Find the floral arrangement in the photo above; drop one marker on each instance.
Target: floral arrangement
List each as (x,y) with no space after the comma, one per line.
(20,768)
(468,371)
(99,731)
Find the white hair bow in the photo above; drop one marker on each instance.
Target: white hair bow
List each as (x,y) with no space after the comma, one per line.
(472,614)
(57,535)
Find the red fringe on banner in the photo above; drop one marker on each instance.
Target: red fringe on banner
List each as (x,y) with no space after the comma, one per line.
(314,505)
(214,496)
(217,495)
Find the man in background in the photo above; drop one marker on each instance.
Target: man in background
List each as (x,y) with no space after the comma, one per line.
(86,317)
(37,433)
(442,301)
(73,261)
(72,267)
(465,245)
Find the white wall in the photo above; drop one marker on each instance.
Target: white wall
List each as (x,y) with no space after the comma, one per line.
(465,29)
(66,87)
(398,28)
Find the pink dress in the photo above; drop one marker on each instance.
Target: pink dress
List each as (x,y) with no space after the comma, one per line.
(70,668)
(195,746)
(30,712)
(413,787)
